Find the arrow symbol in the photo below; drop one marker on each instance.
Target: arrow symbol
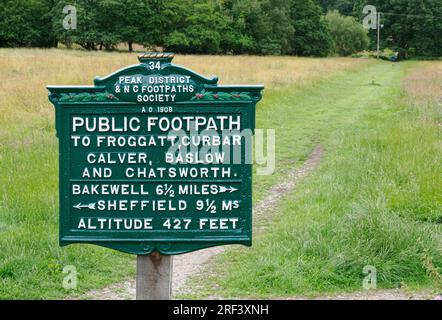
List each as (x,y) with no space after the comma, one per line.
(224,189)
(79,206)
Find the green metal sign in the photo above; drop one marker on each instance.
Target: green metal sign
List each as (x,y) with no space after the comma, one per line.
(155,157)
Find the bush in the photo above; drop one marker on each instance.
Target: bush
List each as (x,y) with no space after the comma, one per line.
(311,36)
(25,23)
(347,34)
(236,43)
(177,42)
(414,26)
(271,48)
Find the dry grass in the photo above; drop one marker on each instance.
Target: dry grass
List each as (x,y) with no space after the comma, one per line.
(424,91)
(273,72)
(31,262)
(425,82)
(24,74)
(358,170)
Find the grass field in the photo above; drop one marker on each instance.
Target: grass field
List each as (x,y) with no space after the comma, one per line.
(375,200)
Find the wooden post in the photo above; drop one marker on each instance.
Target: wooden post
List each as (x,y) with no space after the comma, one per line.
(154,277)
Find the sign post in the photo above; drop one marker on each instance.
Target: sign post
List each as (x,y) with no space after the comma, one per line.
(155,160)
(154,277)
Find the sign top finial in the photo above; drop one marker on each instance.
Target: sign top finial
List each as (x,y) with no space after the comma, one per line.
(162,56)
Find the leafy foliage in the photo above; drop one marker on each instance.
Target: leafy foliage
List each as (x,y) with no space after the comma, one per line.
(311,37)
(222,96)
(413,26)
(87,97)
(345,7)
(26,23)
(278,27)
(348,35)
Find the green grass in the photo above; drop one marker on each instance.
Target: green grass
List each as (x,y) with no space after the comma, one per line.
(31,261)
(375,200)
(337,110)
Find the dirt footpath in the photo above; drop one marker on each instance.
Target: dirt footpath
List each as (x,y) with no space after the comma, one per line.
(189,264)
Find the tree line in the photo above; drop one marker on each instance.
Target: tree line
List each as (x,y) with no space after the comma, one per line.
(289,27)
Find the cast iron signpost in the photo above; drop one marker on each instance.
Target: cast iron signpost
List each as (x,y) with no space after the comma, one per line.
(155,160)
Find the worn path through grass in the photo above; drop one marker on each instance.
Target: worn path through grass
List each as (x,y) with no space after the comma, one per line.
(31,262)
(302,119)
(357,210)
(374,202)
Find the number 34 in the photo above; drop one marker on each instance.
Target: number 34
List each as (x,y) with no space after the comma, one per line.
(154,65)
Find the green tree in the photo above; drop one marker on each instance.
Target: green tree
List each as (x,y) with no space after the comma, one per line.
(26,23)
(234,37)
(311,36)
(247,24)
(280,30)
(262,26)
(87,34)
(348,35)
(104,23)
(345,7)
(160,21)
(414,26)
(111,17)
(133,22)
(203,29)
(169,19)
(200,31)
